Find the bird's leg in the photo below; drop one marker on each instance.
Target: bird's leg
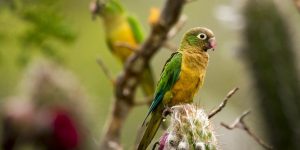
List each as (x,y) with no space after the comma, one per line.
(167,111)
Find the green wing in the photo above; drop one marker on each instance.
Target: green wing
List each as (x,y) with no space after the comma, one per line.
(168,78)
(136,29)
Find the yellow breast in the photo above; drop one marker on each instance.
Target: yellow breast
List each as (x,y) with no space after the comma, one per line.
(122,35)
(191,78)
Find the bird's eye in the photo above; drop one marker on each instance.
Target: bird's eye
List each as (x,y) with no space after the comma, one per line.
(202,36)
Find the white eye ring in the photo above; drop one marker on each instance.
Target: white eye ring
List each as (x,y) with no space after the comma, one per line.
(202,36)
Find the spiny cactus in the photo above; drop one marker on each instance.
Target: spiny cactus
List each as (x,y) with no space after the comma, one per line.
(189,130)
(271,56)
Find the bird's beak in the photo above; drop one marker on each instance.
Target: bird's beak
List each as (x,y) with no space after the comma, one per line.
(95,8)
(212,43)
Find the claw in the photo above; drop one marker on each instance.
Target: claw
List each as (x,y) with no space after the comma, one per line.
(154,146)
(167,111)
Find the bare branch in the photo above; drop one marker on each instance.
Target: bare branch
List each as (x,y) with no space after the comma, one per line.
(223,104)
(127,82)
(239,123)
(106,71)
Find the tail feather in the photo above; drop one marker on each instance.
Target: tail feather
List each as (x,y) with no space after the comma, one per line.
(151,130)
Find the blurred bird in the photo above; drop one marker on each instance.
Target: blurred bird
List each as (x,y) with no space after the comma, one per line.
(182,76)
(123,36)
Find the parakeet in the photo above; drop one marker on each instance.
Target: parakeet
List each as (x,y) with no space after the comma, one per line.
(182,76)
(123,36)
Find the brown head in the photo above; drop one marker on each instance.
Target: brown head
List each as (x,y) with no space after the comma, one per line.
(198,38)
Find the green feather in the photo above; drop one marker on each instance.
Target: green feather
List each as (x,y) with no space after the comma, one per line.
(192,39)
(136,29)
(113,7)
(169,76)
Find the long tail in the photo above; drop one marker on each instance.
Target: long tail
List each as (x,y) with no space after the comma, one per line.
(152,128)
(147,82)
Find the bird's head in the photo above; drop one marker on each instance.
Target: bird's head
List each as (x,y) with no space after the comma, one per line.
(107,8)
(199,38)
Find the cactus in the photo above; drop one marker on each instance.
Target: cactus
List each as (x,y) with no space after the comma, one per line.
(189,129)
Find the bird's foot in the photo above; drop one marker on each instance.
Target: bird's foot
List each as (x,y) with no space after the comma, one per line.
(167,111)
(154,146)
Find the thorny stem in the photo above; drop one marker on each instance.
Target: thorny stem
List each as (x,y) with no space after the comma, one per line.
(223,104)
(239,123)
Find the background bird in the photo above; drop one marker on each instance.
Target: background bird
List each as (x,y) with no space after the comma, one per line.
(182,76)
(123,36)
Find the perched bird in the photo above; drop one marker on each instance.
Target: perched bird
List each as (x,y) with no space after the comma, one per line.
(123,36)
(182,76)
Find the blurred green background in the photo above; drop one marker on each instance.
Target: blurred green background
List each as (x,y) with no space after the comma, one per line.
(226,68)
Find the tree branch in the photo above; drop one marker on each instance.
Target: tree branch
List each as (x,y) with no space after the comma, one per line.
(128,80)
(239,123)
(223,104)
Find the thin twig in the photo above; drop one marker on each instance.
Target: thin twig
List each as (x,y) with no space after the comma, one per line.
(223,104)
(239,123)
(106,71)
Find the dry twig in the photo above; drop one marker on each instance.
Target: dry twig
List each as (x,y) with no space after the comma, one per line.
(106,71)
(239,123)
(223,104)
(128,80)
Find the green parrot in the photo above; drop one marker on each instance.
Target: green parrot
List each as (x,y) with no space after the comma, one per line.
(182,76)
(123,36)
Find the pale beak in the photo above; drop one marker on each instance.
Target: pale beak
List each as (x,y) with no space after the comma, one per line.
(212,43)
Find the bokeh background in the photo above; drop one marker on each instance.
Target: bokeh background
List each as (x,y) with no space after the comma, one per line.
(82,42)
